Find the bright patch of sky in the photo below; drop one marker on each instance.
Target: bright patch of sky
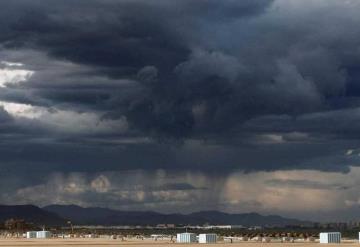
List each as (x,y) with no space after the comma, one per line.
(11,73)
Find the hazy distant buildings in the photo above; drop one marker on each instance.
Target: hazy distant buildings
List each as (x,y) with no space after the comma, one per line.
(223,227)
(165,226)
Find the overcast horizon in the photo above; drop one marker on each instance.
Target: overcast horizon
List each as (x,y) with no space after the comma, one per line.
(181,106)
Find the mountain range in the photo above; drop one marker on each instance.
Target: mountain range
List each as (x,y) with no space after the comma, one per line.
(58,215)
(31,214)
(105,216)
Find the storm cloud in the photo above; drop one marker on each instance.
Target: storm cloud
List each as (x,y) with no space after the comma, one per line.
(210,87)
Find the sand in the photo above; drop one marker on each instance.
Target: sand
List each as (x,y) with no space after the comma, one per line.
(149,243)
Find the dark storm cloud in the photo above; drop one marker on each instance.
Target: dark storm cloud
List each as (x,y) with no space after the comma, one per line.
(123,35)
(4,116)
(187,85)
(119,44)
(179,106)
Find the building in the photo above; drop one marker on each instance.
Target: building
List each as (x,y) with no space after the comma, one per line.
(186,237)
(223,227)
(31,234)
(257,238)
(43,234)
(311,239)
(285,239)
(330,237)
(266,239)
(207,238)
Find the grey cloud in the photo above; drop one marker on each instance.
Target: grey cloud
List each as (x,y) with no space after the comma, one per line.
(306,184)
(156,105)
(198,85)
(134,190)
(177,186)
(267,192)
(4,116)
(202,65)
(335,123)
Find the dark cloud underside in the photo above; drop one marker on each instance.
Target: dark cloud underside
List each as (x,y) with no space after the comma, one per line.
(206,86)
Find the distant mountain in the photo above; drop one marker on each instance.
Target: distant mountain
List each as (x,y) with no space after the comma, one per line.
(104,216)
(30,214)
(246,219)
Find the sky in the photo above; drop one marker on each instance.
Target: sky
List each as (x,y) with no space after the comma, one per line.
(182,106)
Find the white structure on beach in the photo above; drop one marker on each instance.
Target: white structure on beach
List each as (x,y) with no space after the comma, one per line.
(39,234)
(330,237)
(186,237)
(286,239)
(266,239)
(257,238)
(43,234)
(207,238)
(31,234)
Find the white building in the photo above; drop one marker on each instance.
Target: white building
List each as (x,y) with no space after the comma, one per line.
(330,237)
(43,234)
(286,239)
(257,238)
(311,239)
(266,239)
(223,227)
(31,234)
(207,238)
(186,237)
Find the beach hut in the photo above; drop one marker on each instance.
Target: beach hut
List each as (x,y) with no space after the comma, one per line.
(31,234)
(207,238)
(330,237)
(186,237)
(43,234)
